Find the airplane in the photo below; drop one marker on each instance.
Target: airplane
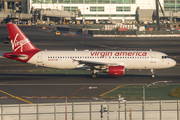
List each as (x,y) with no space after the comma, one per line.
(112,62)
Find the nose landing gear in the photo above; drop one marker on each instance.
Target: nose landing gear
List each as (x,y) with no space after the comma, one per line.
(152,75)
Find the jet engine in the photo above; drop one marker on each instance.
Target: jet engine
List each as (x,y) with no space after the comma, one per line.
(116,70)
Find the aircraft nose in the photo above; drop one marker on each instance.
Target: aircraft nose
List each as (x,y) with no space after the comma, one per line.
(173,62)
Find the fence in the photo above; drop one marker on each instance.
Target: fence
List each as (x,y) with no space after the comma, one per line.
(107,33)
(113,32)
(129,110)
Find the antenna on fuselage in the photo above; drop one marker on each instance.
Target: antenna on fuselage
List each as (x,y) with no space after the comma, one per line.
(150,50)
(75,49)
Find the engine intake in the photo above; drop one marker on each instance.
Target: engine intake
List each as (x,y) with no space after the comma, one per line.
(116,70)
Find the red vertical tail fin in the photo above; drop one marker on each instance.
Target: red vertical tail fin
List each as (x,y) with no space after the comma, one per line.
(19,42)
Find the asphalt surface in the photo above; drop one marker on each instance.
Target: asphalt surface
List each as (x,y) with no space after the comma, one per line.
(25,83)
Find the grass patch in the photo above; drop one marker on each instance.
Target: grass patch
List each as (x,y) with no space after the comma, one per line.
(175,92)
(154,92)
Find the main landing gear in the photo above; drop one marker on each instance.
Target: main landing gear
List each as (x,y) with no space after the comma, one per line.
(94,75)
(152,75)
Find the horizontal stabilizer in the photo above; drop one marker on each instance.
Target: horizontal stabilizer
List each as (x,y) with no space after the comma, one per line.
(17,55)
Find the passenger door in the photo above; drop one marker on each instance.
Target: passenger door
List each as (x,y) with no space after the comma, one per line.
(39,58)
(153,57)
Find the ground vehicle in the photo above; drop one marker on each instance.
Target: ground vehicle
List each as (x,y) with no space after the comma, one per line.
(57,33)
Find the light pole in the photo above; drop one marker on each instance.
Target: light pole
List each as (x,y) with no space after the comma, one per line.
(41,12)
(61,14)
(119,99)
(144,87)
(72,95)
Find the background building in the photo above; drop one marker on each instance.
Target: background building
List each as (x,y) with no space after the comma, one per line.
(91,10)
(99,10)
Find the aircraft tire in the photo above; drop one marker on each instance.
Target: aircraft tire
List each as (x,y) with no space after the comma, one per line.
(153,76)
(94,75)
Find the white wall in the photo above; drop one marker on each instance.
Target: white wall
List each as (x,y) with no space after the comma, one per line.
(148,4)
(108,8)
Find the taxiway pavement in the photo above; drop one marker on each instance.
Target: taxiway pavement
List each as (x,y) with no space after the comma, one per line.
(25,83)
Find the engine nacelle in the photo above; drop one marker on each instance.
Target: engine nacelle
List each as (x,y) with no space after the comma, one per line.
(116,70)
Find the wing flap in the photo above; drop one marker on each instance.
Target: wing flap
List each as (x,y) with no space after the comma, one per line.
(95,63)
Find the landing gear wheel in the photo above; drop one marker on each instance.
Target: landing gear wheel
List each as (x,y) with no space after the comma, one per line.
(152,76)
(94,75)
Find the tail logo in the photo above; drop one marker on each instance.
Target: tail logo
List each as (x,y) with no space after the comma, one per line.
(16,44)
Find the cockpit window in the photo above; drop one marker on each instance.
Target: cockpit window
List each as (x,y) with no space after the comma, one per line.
(164,57)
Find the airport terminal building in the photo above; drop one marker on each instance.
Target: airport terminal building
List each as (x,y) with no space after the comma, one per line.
(91,10)
(98,10)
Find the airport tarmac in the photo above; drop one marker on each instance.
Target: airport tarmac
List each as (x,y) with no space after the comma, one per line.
(25,83)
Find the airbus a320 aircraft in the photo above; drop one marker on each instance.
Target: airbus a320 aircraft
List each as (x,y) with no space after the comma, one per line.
(111,62)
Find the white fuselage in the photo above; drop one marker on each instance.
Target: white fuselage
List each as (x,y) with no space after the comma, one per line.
(128,59)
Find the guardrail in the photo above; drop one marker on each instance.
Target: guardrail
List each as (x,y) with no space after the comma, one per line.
(129,110)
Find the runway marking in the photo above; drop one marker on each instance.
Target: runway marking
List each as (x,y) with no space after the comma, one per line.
(15,64)
(16,97)
(113,90)
(91,84)
(9,82)
(74,97)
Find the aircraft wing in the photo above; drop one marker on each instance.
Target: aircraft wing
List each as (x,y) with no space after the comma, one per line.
(93,63)
(102,64)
